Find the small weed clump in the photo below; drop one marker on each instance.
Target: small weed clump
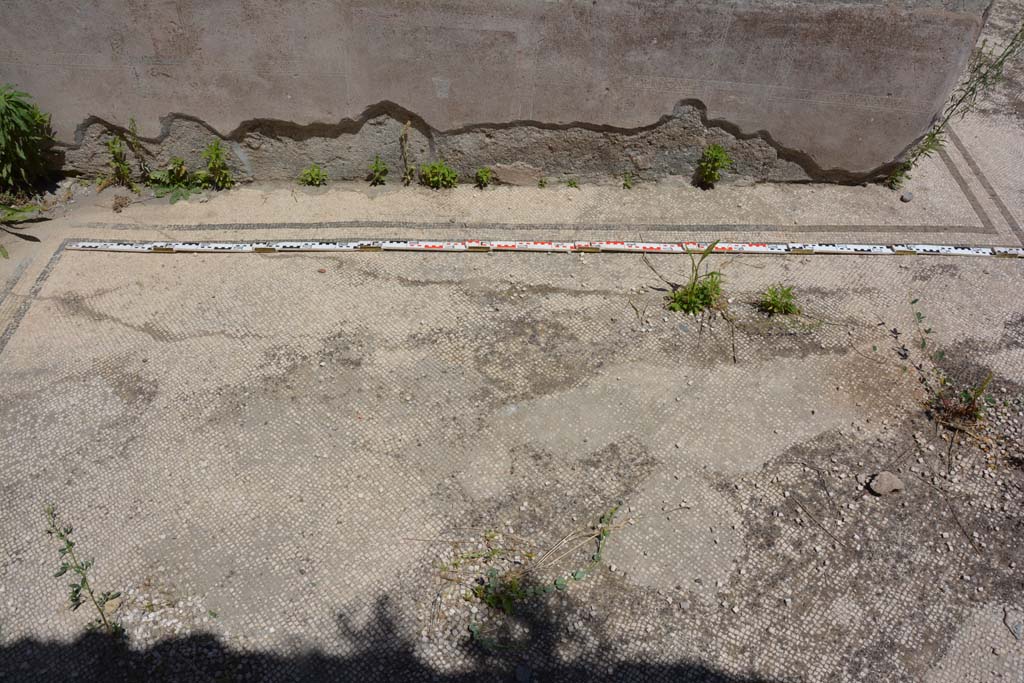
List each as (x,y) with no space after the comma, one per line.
(701,292)
(542,183)
(120,172)
(178,182)
(712,162)
(175,180)
(484,177)
(314,176)
(217,175)
(573,183)
(24,136)
(378,172)
(952,403)
(627,181)
(80,590)
(438,175)
(778,300)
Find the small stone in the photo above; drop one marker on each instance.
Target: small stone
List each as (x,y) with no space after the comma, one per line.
(884,483)
(907,197)
(321,270)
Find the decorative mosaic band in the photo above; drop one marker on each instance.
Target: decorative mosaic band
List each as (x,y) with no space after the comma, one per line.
(540,246)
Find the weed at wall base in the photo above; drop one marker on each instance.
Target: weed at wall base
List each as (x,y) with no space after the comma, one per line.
(313,176)
(484,177)
(712,162)
(378,172)
(438,175)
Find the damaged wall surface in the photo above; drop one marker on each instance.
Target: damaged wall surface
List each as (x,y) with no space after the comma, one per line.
(796,89)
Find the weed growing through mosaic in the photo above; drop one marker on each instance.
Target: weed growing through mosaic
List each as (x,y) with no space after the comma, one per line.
(438,175)
(984,71)
(701,292)
(712,162)
(952,403)
(778,300)
(80,590)
(24,137)
(484,177)
(525,575)
(627,181)
(378,172)
(573,183)
(314,176)
(542,183)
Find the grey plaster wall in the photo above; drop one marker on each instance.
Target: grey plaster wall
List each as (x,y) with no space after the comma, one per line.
(797,88)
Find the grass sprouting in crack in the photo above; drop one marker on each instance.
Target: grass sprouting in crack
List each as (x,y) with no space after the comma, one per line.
(507,574)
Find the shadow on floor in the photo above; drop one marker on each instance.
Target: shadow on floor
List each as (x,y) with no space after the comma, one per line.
(381,653)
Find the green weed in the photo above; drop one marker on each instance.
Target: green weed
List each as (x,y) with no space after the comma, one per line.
(120,172)
(701,292)
(80,590)
(217,175)
(984,71)
(573,183)
(712,162)
(778,300)
(136,147)
(408,168)
(24,137)
(483,177)
(438,175)
(627,181)
(175,180)
(953,403)
(378,172)
(313,176)
(542,183)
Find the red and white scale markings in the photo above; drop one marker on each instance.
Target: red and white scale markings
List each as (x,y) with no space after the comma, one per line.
(605,246)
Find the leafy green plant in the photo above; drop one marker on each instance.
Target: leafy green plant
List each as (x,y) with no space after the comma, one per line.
(80,589)
(483,177)
(778,300)
(438,175)
(378,172)
(175,180)
(712,162)
(542,183)
(627,181)
(217,175)
(24,137)
(573,183)
(313,176)
(701,292)
(10,216)
(120,172)
(984,70)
